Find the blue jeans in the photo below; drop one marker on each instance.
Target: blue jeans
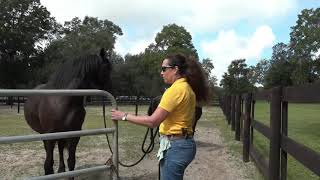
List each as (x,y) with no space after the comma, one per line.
(177,158)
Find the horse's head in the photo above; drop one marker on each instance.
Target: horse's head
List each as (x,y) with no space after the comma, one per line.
(85,72)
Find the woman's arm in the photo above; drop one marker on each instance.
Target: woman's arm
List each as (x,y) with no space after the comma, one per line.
(152,121)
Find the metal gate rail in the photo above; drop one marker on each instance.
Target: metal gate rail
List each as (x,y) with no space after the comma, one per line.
(60,135)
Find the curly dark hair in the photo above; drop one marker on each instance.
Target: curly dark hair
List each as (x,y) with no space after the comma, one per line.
(192,70)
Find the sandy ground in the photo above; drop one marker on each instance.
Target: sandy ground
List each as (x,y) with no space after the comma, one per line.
(212,162)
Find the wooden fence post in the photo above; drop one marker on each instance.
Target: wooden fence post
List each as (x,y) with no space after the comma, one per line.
(284,131)
(237,117)
(241,114)
(253,106)
(246,127)
(228,108)
(221,103)
(224,106)
(233,112)
(275,127)
(18,105)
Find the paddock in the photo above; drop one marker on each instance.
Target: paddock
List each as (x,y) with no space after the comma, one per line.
(111,164)
(214,159)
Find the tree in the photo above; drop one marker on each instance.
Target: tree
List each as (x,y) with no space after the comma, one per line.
(279,73)
(174,38)
(235,81)
(261,70)
(304,37)
(140,74)
(85,36)
(208,67)
(79,38)
(23,25)
(171,39)
(132,79)
(258,72)
(304,43)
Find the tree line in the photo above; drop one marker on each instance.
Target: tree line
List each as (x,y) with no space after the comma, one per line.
(294,63)
(33,44)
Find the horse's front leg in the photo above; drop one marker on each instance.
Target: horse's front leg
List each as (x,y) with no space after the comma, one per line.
(75,120)
(48,163)
(61,144)
(72,147)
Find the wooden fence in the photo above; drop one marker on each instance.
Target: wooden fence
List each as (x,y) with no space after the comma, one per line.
(240,110)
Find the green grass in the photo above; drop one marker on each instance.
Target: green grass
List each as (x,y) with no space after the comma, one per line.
(130,140)
(12,124)
(303,127)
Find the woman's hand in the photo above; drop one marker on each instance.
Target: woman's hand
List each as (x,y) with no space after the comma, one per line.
(117,115)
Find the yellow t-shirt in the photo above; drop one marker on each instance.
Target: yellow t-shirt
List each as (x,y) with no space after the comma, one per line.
(180,101)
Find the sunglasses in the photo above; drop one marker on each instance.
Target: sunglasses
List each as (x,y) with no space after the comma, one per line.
(164,68)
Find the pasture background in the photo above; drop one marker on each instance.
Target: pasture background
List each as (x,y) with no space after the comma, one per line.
(26,159)
(303,127)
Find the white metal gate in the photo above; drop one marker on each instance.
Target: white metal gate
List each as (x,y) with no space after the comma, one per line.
(39,137)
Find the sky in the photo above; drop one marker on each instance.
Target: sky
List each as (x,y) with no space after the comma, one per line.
(222,30)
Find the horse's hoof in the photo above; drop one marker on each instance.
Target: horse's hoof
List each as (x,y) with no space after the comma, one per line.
(49,171)
(60,170)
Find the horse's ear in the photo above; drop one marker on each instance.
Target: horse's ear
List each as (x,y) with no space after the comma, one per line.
(102,53)
(104,56)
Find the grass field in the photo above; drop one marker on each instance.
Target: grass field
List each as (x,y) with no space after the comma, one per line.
(94,149)
(303,127)
(26,159)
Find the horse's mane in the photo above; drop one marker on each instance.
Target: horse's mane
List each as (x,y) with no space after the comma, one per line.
(75,71)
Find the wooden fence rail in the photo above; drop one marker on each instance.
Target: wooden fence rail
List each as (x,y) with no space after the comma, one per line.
(240,110)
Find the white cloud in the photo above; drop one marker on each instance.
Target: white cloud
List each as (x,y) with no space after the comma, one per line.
(125,45)
(140,19)
(134,47)
(208,15)
(229,46)
(200,15)
(316,55)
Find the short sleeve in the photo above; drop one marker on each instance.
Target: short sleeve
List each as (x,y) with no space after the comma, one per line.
(171,98)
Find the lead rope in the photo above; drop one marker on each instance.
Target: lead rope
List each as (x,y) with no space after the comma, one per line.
(145,152)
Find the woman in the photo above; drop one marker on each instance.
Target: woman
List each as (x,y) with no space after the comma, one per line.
(175,114)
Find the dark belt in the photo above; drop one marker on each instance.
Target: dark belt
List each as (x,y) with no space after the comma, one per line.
(179,136)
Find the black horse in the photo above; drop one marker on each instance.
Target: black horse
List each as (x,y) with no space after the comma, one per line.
(48,114)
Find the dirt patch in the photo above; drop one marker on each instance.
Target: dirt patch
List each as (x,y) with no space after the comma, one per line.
(212,162)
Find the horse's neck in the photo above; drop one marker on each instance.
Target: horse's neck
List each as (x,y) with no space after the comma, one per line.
(76,84)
